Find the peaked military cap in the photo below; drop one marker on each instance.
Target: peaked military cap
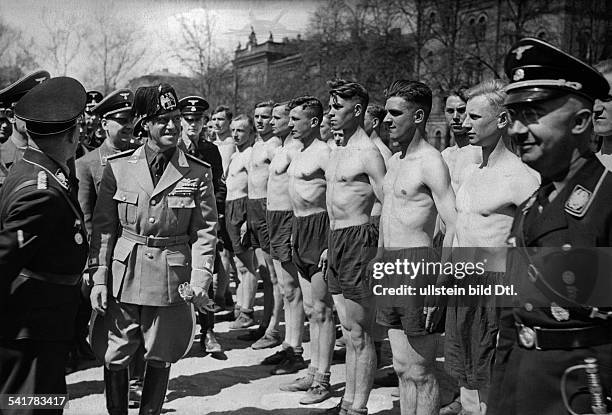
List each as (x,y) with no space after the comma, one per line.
(93,98)
(52,106)
(115,104)
(539,71)
(150,101)
(193,105)
(10,95)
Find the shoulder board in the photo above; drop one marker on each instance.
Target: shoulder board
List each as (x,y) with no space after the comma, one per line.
(122,154)
(192,158)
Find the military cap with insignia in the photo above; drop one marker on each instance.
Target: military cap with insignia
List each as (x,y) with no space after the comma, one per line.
(540,71)
(117,104)
(193,105)
(52,107)
(10,95)
(150,101)
(93,98)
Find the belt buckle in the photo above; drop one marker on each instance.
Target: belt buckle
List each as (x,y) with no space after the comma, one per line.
(150,241)
(527,337)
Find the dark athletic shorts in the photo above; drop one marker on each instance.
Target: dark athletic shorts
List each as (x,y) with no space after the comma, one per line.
(235,216)
(471,336)
(279,228)
(310,236)
(256,220)
(349,253)
(408,316)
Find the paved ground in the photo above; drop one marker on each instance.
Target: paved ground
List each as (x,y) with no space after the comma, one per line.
(234,383)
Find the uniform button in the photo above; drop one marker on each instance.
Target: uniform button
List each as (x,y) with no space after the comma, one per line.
(153,202)
(566,247)
(149,255)
(124,198)
(528,306)
(151,220)
(568,277)
(182,205)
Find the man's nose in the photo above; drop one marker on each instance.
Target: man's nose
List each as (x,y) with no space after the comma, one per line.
(518,130)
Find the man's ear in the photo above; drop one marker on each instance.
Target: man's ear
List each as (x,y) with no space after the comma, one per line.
(375,123)
(145,125)
(314,122)
(582,121)
(503,120)
(358,110)
(419,116)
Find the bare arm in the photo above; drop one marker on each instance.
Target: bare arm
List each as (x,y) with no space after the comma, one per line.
(374,166)
(437,178)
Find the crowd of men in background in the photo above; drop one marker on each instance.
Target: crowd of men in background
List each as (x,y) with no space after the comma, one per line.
(304,195)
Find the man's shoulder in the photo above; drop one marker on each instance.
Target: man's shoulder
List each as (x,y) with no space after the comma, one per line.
(119,157)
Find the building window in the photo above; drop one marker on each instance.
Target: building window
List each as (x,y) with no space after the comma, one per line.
(481,29)
(438,140)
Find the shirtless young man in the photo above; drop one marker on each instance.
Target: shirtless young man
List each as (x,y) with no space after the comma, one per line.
(310,234)
(221,119)
(267,335)
(354,181)
(373,125)
(327,135)
(280,221)
(243,134)
(416,189)
(486,204)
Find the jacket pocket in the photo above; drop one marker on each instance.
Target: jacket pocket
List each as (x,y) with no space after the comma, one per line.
(181,202)
(128,205)
(179,271)
(121,257)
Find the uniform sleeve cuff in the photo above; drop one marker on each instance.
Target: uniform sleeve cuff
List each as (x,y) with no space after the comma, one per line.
(98,275)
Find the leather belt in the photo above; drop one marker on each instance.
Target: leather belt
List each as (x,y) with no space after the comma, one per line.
(570,338)
(59,279)
(155,241)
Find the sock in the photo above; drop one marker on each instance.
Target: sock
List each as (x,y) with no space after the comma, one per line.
(311,372)
(285,346)
(323,379)
(345,406)
(362,411)
(298,351)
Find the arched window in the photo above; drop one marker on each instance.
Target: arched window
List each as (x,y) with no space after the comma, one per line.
(438,140)
(481,29)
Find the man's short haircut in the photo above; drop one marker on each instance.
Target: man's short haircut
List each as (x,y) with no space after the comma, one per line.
(377,111)
(492,89)
(248,119)
(225,109)
(265,104)
(310,104)
(284,104)
(457,92)
(411,91)
(349,90)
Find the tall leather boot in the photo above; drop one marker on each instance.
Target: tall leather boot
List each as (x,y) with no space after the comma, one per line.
(116,387)
(154,389)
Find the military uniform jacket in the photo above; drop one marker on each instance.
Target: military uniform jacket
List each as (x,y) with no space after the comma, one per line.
(3,173)
(180,216)
(89,170)
(579,217)
(41,232)
(209,153)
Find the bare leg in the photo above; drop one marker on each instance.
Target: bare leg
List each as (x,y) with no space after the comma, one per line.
(223,277)
(413,360)
(357,319)
(323,315)
(292,299)
(273,298)
(248,280)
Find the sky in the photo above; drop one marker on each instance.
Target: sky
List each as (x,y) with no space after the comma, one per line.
(159,22)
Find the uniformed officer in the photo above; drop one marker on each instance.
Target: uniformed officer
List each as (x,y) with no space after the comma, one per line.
(43,244)
(560,277)
(13,148)
(153,230)
(93,130)
(192,112)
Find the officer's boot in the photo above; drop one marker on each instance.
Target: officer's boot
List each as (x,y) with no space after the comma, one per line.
(116,386)
(154,388)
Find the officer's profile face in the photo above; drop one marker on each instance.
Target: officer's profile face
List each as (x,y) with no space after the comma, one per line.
(119,130)
(543,133)
(482,123)
(220,123)
(602,112)
(343,112)
(6,129)
(454,112)
(280,121)
(192,125)
(242,132)
(262,117)
(165,129)
(368,123)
